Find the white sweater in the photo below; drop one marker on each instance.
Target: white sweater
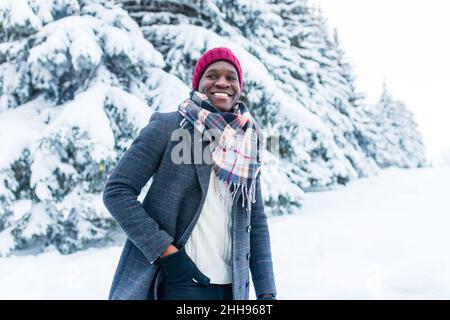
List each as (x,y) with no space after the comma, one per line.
(209,244)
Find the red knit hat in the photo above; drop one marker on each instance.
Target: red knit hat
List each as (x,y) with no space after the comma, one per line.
(211,56)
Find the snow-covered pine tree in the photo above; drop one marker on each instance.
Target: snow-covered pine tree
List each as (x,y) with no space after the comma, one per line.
(80,79)
(356,109)
(67,68)
(400,143)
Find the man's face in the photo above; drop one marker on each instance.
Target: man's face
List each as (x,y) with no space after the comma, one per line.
(220,83)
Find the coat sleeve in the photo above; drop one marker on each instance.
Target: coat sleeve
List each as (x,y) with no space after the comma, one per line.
(132,172)
(261,265)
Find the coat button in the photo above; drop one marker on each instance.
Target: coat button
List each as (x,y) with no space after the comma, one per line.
(248,255)
(249,228)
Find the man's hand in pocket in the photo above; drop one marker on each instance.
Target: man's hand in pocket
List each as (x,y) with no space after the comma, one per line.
(178,267)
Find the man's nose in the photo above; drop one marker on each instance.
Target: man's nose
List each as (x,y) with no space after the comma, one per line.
(222,81)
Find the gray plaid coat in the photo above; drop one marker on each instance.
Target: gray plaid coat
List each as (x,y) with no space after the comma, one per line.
(169,212)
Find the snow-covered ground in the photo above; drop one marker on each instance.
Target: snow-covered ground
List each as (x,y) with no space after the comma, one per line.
(384,237)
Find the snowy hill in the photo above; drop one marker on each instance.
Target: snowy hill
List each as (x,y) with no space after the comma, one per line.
(80,78)
(383,237)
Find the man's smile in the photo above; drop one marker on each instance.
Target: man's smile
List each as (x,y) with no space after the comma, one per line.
(221,93)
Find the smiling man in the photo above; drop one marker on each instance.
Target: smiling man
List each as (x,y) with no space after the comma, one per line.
(201,227)
(221,85)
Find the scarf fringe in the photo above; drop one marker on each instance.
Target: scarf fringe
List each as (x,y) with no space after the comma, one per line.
(247,193)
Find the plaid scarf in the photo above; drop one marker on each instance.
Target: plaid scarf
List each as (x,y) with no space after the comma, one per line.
(236,153)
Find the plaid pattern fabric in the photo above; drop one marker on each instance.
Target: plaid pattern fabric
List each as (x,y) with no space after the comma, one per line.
(237,144)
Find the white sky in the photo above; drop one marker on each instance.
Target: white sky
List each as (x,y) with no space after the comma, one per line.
(407,43)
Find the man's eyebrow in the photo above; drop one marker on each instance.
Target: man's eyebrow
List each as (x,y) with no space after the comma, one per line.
(229,71)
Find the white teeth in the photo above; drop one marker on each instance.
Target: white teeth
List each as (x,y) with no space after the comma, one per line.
(220,94)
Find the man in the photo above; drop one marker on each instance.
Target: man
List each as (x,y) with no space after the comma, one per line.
(201,226)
